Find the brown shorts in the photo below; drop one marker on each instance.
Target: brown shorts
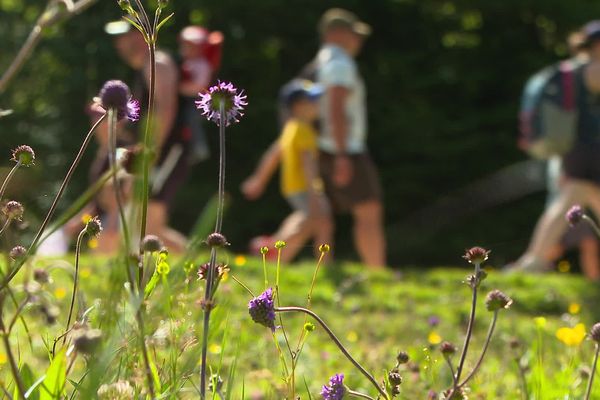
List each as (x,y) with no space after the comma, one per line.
(363,187)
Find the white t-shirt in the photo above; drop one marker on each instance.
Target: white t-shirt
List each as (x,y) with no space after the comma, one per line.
(336,68)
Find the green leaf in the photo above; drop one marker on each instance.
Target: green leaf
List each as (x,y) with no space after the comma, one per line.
(168,17)
(155,376)
(151,284)
(28,380)
(53,386)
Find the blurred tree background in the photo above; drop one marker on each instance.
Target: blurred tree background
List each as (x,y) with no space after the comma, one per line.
(444,80)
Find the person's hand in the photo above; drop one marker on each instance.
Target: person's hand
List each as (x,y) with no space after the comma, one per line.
(342,170)
(252,188)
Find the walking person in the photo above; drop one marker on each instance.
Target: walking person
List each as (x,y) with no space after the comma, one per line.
(350,176)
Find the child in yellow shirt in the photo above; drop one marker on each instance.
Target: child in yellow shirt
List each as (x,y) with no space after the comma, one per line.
(301,184)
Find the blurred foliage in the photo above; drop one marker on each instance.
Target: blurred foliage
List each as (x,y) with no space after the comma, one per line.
(444,80)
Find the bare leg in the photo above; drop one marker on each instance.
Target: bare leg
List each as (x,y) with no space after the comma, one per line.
(157,225)
(369,237)
(588,255)
(295,230)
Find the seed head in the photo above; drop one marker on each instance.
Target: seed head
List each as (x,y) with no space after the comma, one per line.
(17,252)
(216,240)
(496,300)
(402,357)
(575,215)
(87,340)
(115,94)
(394,377)
(24,155)
(335,390)
(447,349)
(262,309)
(595,332)
(13,210)
(93,227)
(476,255)
(151,243)
(41,276)
(223,93)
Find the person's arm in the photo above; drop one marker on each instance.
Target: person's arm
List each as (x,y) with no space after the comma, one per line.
(165,98)
(254,186)
(592,77)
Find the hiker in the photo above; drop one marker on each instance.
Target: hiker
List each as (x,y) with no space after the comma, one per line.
(301,185)
(580,167)
(170,142)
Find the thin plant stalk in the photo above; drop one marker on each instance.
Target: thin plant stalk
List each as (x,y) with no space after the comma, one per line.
(339,344)
(264,262)
(588,391)
(5,226)
(145,356)
(593,224)
(354,393)
(485,347)
(75,278)
(8,178)
(449,362)
(523,380)
(11,359)
(50,213)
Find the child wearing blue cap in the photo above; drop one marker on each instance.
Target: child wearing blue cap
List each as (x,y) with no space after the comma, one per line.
(301,184)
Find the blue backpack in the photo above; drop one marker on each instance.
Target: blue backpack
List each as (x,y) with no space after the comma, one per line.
(548,116)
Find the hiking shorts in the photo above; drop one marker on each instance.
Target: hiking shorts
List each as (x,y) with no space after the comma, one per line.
(583,162)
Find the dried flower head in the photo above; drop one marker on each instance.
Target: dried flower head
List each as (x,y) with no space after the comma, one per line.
(216,239)
(86,341)
(335,390)
(223,93)
(115,94)
(574,215)
(402,357)
(262,309)
(222,269)
(476,255)
(93,227)
(151,243)
(447,349)
(394,377)
(13,210)
(41,276)
(23,155)
(120,390)
(17,252)
(496,300)
(595,332)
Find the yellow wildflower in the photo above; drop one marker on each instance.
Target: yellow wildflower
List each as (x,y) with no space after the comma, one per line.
(434,338)
(352,336)
(60,292)
(540,322)
(571,336)
(239,260)
(574,308)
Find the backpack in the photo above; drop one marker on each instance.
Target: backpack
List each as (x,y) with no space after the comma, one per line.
(549,113)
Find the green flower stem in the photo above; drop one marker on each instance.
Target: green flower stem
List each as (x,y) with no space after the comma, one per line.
(31,250)
(339,345)
(523,380)
(449,362)
(222,160)
(112,155)
(8,178)
(6,225)
(75,279)
(588,391)
(485,347)
(206,323)
(264,262)
(148,370)
(358,394)
(11,359)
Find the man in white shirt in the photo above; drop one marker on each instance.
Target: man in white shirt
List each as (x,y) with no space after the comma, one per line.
(350,177)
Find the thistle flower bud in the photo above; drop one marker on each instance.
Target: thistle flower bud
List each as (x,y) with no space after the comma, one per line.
(151,243)
(216,240)
(264,250)
(13,210)
(86,341)
(447,349)
(23,155)
(476,255)
(595,332)
(93,227)
(41,276)
(575,215)
(115,95)
(496,300)
(224,93)
(394,377)
(50,312)
(17,252)
(402,357)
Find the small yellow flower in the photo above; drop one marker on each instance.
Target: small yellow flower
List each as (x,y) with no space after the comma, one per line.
(540,322)
(571,336)
(239,260)
(574,308)
(564,266)
(3,358)
(434,338)
(85,218)
(214,348)
(352,337)
(60,292)
(93,243)
(85,273)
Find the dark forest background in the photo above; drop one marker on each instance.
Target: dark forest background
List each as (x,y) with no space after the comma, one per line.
(444,80)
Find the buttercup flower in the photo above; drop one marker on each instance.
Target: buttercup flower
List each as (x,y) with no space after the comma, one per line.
(476,255)
(222,93)
(496,300)
(24,155)
(571,336)
(335,390)
(575,215)
(13,210)
(262,309)
(115,94)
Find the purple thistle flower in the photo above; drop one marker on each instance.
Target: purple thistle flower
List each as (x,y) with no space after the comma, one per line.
(222,93)
(336,389)
(262,309)
(575,215)
(115,94)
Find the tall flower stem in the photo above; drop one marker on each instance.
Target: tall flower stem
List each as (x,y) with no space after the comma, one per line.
(588,391)
(11,359)
(145,356)
(358,394)
(75,278)
(50,213)
(338,344)
(485,347)
(8,178)
(6,225)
